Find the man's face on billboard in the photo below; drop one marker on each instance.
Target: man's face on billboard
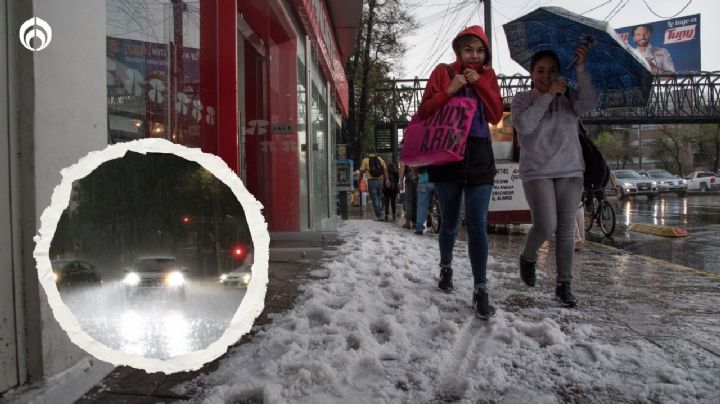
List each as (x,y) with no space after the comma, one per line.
(641,36)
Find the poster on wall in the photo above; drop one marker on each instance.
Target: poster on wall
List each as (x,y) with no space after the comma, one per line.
(669,46)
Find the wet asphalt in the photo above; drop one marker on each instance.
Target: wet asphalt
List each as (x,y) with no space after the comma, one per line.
(697,214)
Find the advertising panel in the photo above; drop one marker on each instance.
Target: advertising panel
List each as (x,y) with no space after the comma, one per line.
(669,46)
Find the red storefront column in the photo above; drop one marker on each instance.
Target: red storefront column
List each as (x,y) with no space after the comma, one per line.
(218,75)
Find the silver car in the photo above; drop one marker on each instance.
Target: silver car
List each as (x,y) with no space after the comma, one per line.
(630,183)
(667,182)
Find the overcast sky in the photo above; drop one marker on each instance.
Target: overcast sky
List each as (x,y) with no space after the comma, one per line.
(431,44)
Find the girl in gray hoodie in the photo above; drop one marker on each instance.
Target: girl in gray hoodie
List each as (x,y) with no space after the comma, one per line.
(551,162)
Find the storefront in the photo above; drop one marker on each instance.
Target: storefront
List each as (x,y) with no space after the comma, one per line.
(259,83)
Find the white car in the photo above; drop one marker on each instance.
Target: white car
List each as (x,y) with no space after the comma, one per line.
(155,273)
(239,277)
(630,183)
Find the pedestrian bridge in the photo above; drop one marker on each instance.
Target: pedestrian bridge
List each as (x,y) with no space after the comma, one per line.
(674,99)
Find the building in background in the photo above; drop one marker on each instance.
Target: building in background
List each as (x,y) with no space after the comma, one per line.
(259,83)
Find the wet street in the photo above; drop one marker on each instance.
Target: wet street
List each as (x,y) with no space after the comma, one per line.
(698,214)
(155,325)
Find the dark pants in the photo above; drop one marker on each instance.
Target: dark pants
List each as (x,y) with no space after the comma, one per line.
(389,196)
(410,200)
(477,202)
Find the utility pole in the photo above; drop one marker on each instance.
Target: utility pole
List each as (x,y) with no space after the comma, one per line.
(488,21)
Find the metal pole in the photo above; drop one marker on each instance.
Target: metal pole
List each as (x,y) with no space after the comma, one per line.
(640,153)
(487,9)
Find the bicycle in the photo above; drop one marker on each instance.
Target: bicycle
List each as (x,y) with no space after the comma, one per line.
(598,209)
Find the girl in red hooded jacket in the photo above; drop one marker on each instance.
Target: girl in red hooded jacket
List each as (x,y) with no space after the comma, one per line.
(472,76)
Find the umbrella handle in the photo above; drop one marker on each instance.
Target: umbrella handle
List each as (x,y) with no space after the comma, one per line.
(588,41)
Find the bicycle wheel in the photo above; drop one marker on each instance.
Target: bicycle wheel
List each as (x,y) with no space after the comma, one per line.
(435,215)
(607,218)
(590,209)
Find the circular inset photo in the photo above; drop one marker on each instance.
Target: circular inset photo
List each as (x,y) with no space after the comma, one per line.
(153,255)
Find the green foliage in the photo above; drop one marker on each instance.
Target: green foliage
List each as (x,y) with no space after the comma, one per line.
(376,56)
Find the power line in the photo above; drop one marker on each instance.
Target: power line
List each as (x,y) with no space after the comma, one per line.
(672,16)
(596,7)
(615,10)
(435,48)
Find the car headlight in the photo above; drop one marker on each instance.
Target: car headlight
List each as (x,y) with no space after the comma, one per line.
(627,184)
(653,183)
(223,277)
(175,279)
(132,279)
(245,278)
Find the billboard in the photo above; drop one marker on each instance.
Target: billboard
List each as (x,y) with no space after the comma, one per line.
(669,46)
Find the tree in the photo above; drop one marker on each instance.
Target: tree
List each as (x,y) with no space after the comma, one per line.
(377,53)
(671,147)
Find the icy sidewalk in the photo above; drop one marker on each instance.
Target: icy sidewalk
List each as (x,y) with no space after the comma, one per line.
(375,328)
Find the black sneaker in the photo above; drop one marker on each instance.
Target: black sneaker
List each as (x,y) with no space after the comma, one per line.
(446,283)
(562,291)
(527,271)
(481,304)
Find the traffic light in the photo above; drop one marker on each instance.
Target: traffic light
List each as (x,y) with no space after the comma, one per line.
(239,252)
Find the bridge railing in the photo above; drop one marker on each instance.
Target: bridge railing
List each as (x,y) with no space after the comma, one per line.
(676,98)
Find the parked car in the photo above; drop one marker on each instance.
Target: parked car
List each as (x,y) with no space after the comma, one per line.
(70,273)
(155,273)
(630,183)
(666,181)
(702,181)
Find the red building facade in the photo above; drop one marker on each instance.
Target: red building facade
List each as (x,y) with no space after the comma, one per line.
(259,83)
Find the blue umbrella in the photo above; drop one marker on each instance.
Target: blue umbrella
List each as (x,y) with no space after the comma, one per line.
(621,77)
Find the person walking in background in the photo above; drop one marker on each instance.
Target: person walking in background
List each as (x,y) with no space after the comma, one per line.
(551,162)
(425,188)
(377,173)
(659,58)
(408,183)
(470,75)
(390,193)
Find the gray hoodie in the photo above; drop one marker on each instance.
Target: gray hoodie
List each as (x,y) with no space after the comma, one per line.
(547,127)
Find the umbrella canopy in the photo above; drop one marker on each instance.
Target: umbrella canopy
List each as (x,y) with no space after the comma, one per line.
(621,77)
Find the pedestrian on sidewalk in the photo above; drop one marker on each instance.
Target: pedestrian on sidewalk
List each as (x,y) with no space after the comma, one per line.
(551,162)
(409,185)
(377,173)
(425,188)
(390,193)
(472,76)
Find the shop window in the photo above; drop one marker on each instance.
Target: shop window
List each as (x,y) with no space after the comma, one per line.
(161,79)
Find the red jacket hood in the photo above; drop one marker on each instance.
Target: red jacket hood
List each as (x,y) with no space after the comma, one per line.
(477,31)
